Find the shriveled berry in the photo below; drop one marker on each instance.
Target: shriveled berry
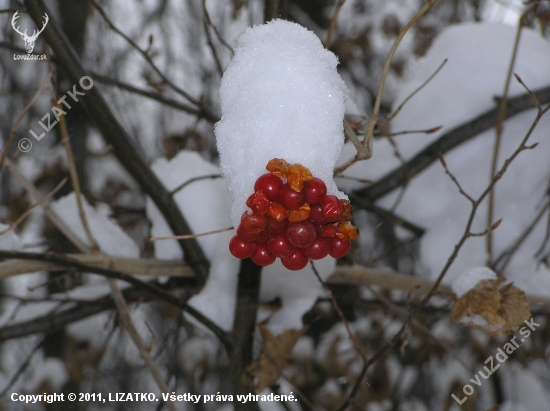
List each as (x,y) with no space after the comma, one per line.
(262,256)
(270,184)
(291,199)
(316,215)
(315,190)
(347,232)
(319,249)
(247,235)
(296,262)
(277,211)
(346,210)
(278,166)
(301,234)
(327,230)
(240,248)
(298,175)
(277,226)
(339,247)
(258,202)
(254,223)
(300,214)
(280,247)
(332,209)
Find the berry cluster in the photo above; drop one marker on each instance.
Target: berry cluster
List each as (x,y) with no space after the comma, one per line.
(292,217)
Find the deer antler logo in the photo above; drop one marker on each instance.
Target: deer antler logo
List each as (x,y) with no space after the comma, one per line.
(29,40)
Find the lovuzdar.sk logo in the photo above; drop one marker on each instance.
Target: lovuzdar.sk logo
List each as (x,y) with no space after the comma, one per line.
(29,40)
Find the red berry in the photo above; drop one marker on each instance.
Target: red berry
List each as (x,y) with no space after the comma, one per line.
(339,247)
(296,262)
(277,226)
(258,202)
(327,230)
(270,184)
(280,247)
(240,248)
(262,256)
(291,199)
(254,223)
(264,236)
(316,215)
(315,190)
(246,235)
(332,209)
(319,249)
(301,234)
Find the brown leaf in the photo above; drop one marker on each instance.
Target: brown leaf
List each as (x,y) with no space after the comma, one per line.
(492,308)
(267,368)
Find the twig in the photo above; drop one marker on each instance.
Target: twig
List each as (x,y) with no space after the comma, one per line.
(66,261)
(374,117)
(400,133)
(356,344)
(145,355)
(218,35)
(188,237)
(199,112)
(396,112)
(192,180)
(332,24)
(128,266)
(499,127)
(22,368)
(451,139)
(206,21)
(21,117)
(145,55)
(53,217)
(454,180)
(30,209)
(509,253)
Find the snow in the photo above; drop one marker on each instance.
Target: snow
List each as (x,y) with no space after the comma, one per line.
(9,241)
(204,203)
(469,279)
(109,236)
(478,57)
(281,97)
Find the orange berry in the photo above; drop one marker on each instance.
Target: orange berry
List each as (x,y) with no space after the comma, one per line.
(300,214)
(347,232)
(277,212)
(298,175)
(254,223)
(346,211)
(278,166)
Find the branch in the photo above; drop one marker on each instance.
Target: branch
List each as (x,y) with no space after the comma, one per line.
(244,323)
(453,138)
(124,148)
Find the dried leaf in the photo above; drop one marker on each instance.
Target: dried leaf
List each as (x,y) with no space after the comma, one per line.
(267,368)
(492,308)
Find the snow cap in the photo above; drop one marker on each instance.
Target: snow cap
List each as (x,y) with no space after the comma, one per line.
(281,97)
(468,280)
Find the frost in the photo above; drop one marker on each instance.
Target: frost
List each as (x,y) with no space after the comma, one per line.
(468,280)
(281,97)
